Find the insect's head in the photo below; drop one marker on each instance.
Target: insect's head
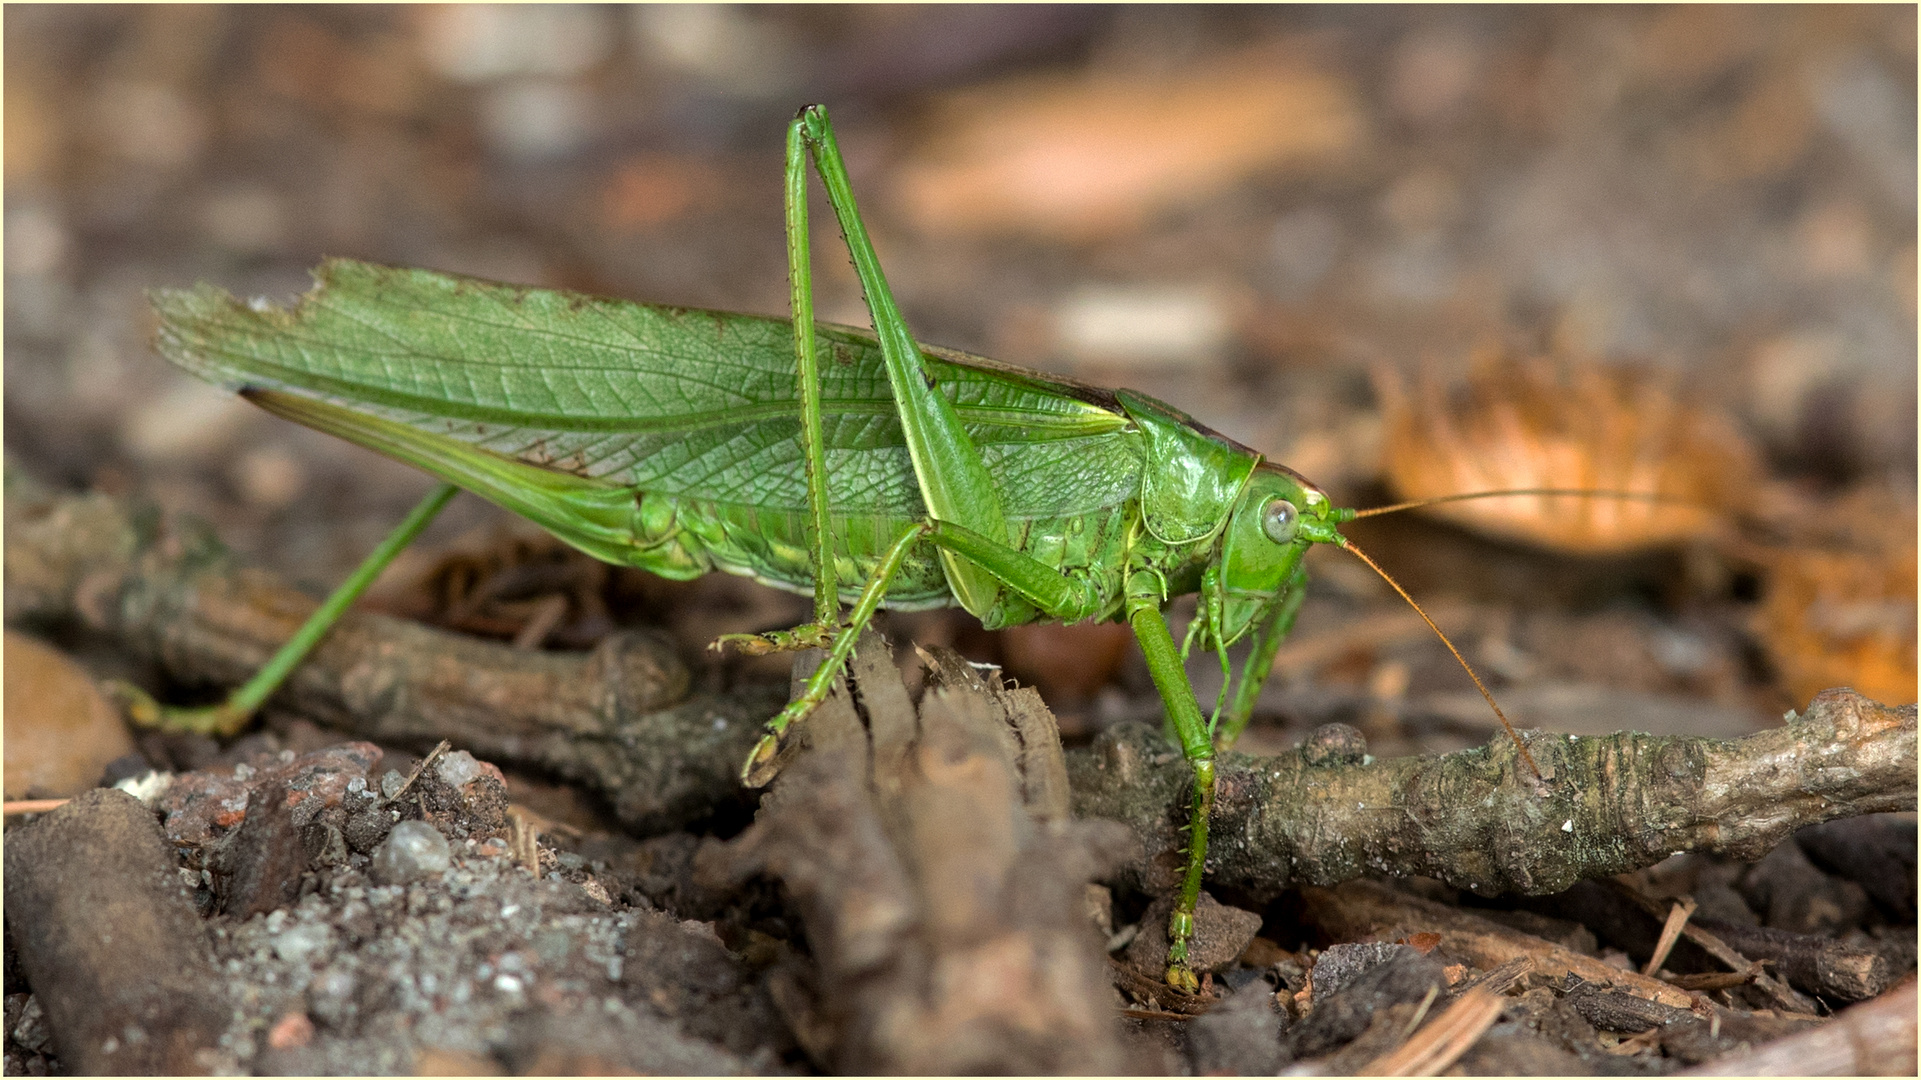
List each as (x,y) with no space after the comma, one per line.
(1279,515)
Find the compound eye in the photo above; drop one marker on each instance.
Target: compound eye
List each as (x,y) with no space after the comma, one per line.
(1279,520)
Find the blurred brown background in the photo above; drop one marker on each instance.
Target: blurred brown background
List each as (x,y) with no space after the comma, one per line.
(1238,209)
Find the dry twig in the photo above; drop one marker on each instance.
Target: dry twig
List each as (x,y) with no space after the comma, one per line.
(1678,916)
(1782,993)
(1876,1038)
(1474,820)
(619,719)
(615,721)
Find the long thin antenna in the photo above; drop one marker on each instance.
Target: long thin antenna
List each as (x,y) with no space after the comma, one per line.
(1640,496)
(1478,685)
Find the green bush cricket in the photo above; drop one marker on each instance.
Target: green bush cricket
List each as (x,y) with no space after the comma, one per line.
(861,468)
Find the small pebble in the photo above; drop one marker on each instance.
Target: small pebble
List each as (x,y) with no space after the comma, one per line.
(412,851)
(331,996)
(366,829)
(294,1029)
(31,1030)
(457,769)
(61,730)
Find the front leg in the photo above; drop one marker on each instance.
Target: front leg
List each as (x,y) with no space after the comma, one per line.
(1274,628)
(1177,696)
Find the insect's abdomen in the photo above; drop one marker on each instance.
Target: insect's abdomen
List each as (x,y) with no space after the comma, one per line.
(684,538)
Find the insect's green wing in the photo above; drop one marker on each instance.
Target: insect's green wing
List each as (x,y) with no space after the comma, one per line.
(689,403)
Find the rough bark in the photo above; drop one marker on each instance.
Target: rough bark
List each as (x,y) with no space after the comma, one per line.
(1478,820)
(940,881)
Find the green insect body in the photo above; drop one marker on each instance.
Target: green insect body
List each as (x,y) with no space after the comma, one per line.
(863,468)
(694,466)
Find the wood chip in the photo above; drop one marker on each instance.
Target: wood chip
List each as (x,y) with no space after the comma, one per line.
(1670,933)
(1442,1042)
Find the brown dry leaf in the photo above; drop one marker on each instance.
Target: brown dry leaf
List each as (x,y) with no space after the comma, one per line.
(1074,157)
(1525,424)
(1840,609)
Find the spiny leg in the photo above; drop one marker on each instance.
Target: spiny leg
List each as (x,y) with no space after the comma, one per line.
(954,481)
(819,526)
(1164,664)
(800,276)
(758,770)
(231,715)
(1273,630)
(1047,588)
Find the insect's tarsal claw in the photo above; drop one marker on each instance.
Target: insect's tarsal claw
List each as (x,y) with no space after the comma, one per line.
(222,720)
(760,769)
(744,644)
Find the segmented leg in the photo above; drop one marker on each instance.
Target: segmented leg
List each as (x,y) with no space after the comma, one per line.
(954,481)
(800,277)
(1055,593)
(759,768)
(231,715)
(1164,664)
(1260,660)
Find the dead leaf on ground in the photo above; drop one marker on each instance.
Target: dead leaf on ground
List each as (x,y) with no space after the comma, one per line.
(1577,426)
(1840,606)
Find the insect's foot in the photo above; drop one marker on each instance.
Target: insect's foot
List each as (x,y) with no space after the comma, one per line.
(764,763)
(761,766)
(1180,974)
(1181,977)
(810,636)
(222,720)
